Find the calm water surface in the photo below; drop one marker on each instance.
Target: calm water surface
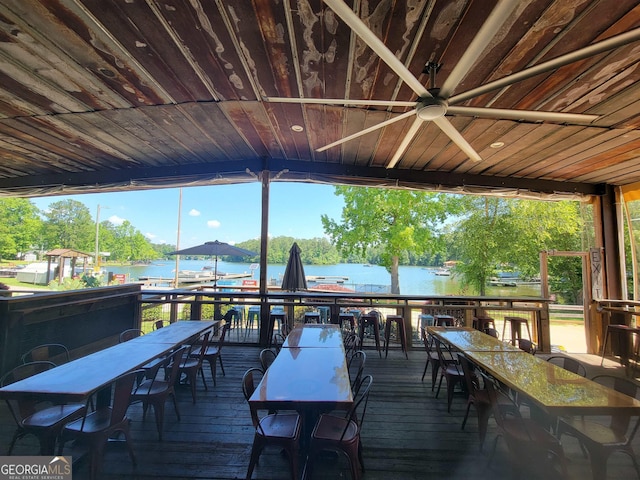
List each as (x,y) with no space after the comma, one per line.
(413,280)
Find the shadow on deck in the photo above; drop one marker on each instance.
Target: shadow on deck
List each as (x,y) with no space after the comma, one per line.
(408,433)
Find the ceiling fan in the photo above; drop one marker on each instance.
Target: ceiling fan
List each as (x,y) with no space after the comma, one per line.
(433,103)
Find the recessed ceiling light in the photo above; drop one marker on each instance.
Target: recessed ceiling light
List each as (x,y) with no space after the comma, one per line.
(297,128)
(497,145)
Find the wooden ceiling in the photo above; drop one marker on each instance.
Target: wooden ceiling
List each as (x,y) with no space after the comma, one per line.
(103,95)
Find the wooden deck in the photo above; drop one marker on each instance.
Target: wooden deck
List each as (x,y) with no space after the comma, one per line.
(408,434)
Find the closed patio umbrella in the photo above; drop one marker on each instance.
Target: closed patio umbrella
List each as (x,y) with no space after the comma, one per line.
(214,249)
(294,278)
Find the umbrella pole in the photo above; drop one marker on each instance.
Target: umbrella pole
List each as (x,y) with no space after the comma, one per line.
(215,274)
(217,314)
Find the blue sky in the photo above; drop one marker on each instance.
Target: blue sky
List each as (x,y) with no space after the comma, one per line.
(229,213)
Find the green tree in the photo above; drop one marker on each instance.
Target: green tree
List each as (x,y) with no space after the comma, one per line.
(69,224)
(127,243)
(479,239)
(497,233)
(396,221)
(20,225)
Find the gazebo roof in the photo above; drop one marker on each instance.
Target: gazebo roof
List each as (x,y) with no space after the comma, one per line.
(67,253)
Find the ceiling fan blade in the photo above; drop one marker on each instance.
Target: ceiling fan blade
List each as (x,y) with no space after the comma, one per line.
(530,115)
(553,64)
(359,28)
(339,101)
(417,123)
(484,36)
(454,135)
(367,130)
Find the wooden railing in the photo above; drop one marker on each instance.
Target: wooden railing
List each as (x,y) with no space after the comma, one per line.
(90,319)
(205,303)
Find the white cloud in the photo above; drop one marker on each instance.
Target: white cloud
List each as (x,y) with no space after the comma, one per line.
(150,236)
(213,224)
(194,213)
(116,220)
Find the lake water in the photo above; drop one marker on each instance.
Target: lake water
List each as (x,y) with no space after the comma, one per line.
(413,280)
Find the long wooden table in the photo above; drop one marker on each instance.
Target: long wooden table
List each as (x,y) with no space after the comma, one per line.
(76,380)
(315,336)
(309,374)
(552,388)
(465,339)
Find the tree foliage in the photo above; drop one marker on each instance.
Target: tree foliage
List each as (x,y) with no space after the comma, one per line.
(500,234)
(20,226)
(395,221)
(314,251)
(68,224)
(480,238)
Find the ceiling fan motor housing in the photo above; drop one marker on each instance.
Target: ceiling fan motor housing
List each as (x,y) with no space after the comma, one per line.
(431,108)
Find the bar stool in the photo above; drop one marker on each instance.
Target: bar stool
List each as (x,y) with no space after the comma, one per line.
(516,328)
(253,314)
(481,323)
(425,320)
(371,319)
(324,314)
(347,317)
(444,320)
(312,317)
(276,315)
(402,334)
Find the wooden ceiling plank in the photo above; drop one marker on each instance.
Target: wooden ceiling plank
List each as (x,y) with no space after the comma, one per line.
(542,144)
(251,124)
(145,40)
(396,24)
(576,148)
(40,133)
(612,153)
(569,27)
(74,46)
(502,157)
(223,142)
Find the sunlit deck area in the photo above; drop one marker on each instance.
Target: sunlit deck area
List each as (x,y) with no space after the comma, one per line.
(407,432)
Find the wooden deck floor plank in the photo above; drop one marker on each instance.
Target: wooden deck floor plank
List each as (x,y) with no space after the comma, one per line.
(408,434)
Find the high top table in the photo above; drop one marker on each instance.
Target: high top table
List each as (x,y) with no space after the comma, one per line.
(76,380)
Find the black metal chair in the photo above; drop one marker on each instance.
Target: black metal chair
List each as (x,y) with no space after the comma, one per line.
(33,417)
(95,428)
(274,429)
(130,334)
(569,364)
(449,371)
(342,433)
(529,444)
(355,366)
(432,357)
(614,433)
(48,352)
(267,356)
(153,391)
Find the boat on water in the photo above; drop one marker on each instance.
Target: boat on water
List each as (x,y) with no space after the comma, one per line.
(326,279)
(443,272)
(194,277)
(502,282)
